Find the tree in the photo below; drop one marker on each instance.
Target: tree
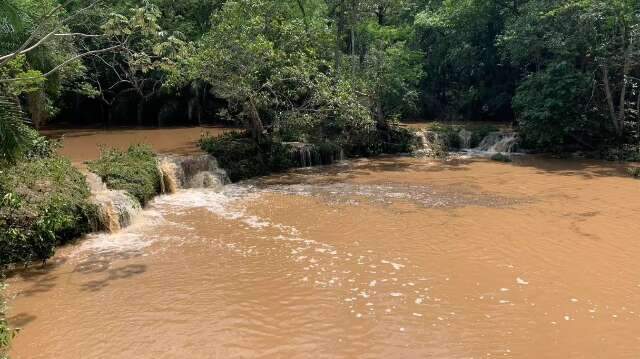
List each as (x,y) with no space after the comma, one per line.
(595,39)
(257,57)
(147,54)
(464,75)
(390,71)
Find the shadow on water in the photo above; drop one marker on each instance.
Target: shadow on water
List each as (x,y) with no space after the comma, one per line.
(40,278)
(101,262)
(542,164)
(114,274)
(20,320)
(587,169)
(103,265)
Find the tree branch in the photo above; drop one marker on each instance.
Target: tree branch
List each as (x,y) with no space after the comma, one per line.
(55,69)
(85,54)
(25,48)
(79,34)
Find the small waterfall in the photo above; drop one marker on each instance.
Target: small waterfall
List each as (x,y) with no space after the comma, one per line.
(465,139)
(169,176)
(116,209)
(199,171)
(432,144)
(309,155)
(499,142)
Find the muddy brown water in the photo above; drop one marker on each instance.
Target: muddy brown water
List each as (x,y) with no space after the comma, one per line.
(81,145)
(384,258)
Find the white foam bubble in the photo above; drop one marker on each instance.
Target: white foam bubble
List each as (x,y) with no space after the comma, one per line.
(395,266)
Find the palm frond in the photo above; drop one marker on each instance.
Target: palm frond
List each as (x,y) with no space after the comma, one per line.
(12,26)
(10,16)
(14,137)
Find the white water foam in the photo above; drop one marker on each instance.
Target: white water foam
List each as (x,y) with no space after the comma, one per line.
(132,238)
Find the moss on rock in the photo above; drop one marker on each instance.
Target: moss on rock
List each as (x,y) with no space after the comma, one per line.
(134,171)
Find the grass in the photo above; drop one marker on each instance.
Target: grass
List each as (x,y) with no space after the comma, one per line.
(43,203)
(134,171)
(6,333)
(634,172)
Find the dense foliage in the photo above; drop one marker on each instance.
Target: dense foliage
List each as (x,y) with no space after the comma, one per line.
(243,158)
(134,171)
(44,202)
(6,334)
(331,74)
(565,71)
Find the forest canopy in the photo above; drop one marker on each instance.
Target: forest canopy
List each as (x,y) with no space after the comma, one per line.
(564,72)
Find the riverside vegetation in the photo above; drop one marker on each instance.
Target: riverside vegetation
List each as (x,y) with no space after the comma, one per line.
(45,201)
(309,80)
(563,72)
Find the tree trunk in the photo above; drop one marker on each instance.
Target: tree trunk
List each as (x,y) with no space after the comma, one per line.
(109,116)
(380,14)
(339,31)
(304,16)
(638,117)
(607,91)
(379,112)
(255,123)
(623,93)
(140,112)
(353,49)
(37,108)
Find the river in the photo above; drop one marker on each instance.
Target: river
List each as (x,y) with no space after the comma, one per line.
(393,257)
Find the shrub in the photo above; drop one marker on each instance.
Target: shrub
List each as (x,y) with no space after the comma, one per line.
(449,134)
(329,152)
(361,142)
(134,171)
(279,158)
(499,157)
(29,146)
(242,157)
(398,139)
(372,141)
(6,334)
(634,172)
(43,203)
(630,153)
(553,111)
